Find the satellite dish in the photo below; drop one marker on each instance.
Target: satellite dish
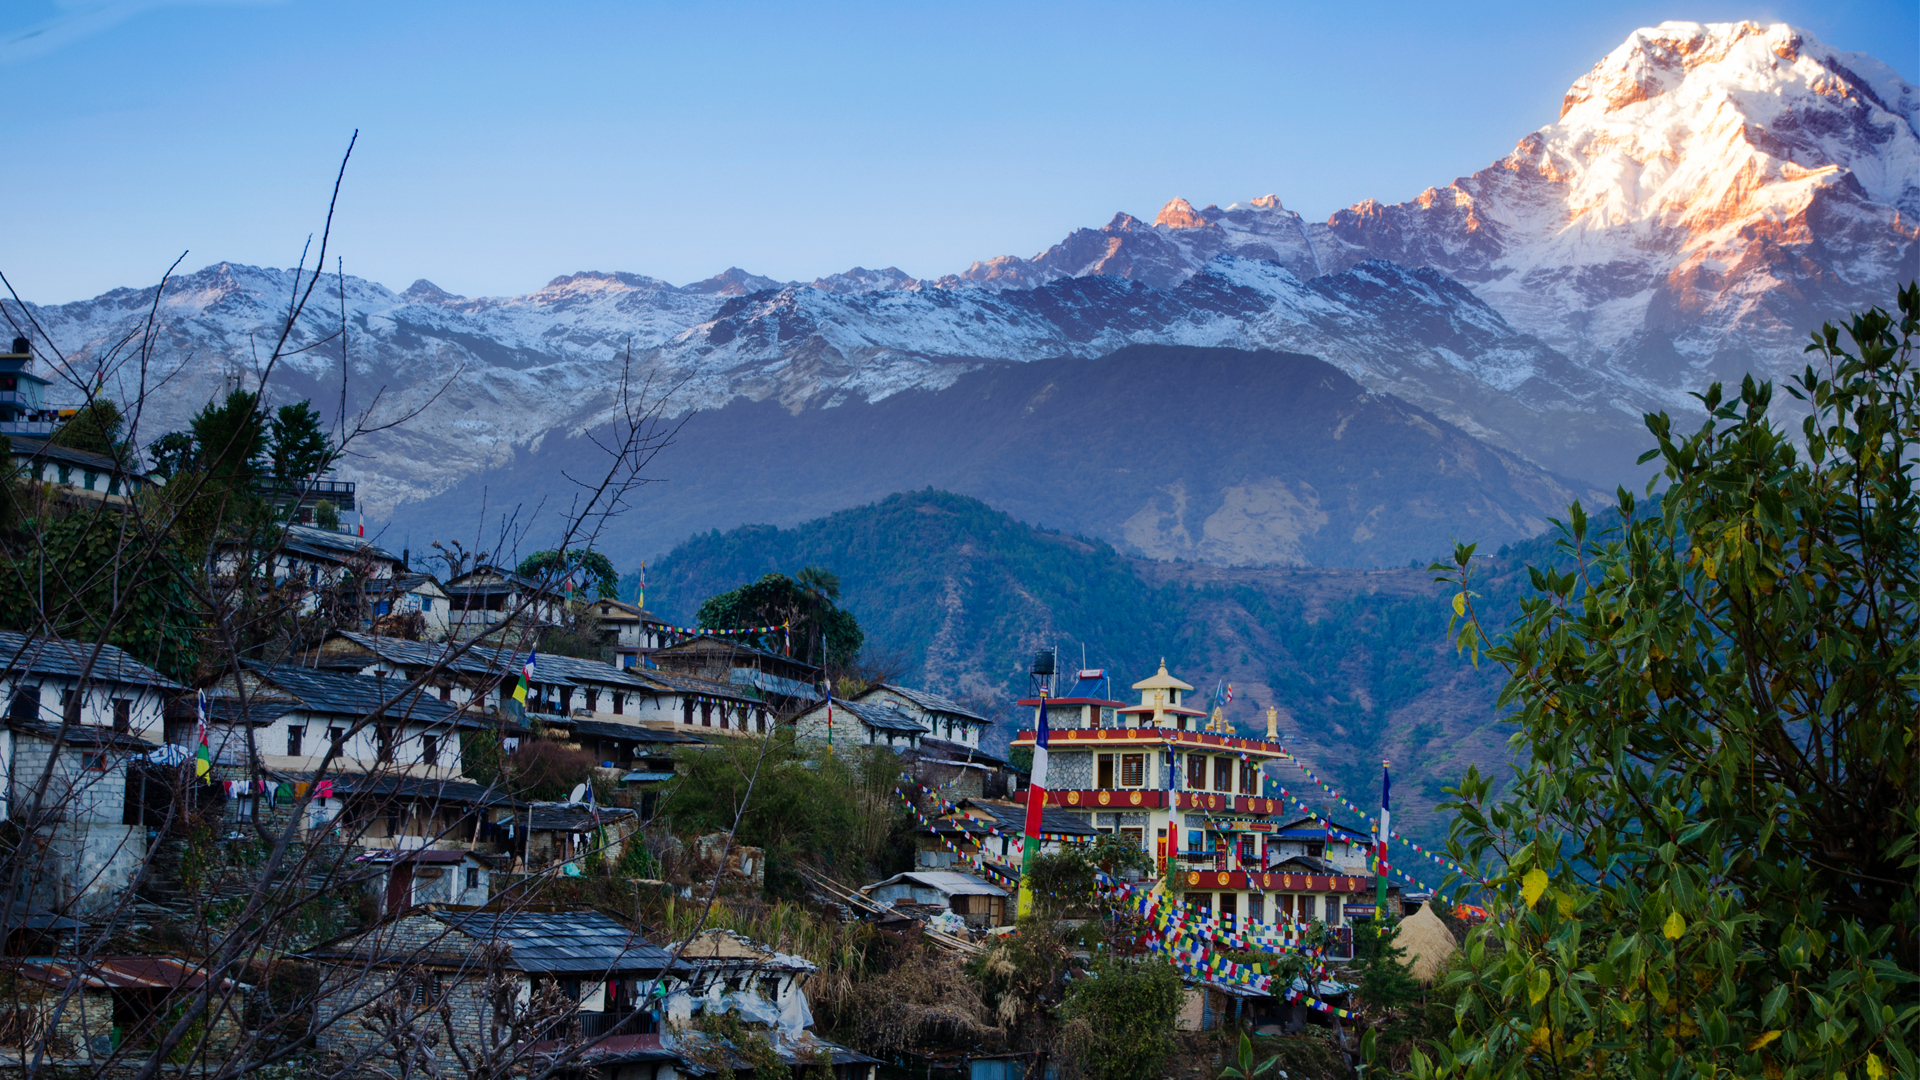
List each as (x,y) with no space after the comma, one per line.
(579,792)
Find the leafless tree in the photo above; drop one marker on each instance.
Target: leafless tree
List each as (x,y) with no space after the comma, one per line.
(249,893)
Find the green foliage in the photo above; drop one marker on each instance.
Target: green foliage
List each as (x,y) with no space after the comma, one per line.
(588,569)
(86,576)
(326,515)
(1709,859)
(1380,965)
(1243,1067)
(1064,881)
(95,428)
(808,613)
(171,454)
(1120,1019)
(297,445)
(836,812)
(724,1039)
(229,440)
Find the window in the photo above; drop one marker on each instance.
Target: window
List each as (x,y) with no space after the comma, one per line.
(94,760)
(1249,778)
(122,715)
(1228,902)
(1307,906)
(1196,772)
(423,989)
(1333,911)
(473,877)
(295,736)
(430,749)
(706,714)
(619,702)
(25,704)
(1105,772)
(446,691)
(1200,901)
(383,739)
(1133,770)
(90,476)
(426,603)
(337,739)
(1138,836)
(1256,908)
(66,697)
(686,710)
(1223,774)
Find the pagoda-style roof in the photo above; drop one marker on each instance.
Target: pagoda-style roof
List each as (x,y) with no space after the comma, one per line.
(1162,681)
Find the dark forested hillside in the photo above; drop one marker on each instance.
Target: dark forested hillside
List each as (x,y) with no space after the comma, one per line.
(1357,662)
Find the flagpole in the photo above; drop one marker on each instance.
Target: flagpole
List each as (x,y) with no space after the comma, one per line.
(1380,847)
(1036,782)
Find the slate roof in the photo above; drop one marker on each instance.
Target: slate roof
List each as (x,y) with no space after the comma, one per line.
(477,660)
(82,735)
(609,729)
(957,753)
(333,546)
(228,710)
(403,583)
(1011,817)
(556,941)
(45,450)
(882,717)
(412,788)
(58,656)
(931,701)
(330,693)
(690,684)
(572,817)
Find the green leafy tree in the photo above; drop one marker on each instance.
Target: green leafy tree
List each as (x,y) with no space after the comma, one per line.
(87,577)
(1119,1019)
(1709,857)
(171,454)
(297,445)
(94,428)
(230,439)
(586,568)
(820,633)
(326,515)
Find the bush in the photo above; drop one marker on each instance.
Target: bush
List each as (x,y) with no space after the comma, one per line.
(1119,1020)
(541,769)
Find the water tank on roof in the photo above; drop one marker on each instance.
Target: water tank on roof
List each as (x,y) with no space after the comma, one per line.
(1043,662)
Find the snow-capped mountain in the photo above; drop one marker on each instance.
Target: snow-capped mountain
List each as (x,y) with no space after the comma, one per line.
(1708,194)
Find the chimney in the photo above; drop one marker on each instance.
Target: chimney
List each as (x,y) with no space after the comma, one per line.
(406,561)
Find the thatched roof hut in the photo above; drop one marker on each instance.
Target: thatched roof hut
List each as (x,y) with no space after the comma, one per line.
(1428,943)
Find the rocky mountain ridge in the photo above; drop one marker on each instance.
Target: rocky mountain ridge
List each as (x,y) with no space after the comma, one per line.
(1707,194)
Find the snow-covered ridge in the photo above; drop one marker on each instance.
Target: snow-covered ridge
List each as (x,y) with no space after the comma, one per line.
(1707,193)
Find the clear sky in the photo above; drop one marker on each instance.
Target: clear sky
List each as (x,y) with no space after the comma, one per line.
(504,144)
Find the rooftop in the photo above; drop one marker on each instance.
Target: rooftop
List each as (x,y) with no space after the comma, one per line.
(58,656)
(334,694)
(930,701)
(1161,681)
(950,882)
(572,941)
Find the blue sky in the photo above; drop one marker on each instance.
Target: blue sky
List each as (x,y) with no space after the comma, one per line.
(504,144)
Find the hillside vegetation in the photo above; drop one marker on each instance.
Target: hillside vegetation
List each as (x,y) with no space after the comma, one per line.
(1356,662)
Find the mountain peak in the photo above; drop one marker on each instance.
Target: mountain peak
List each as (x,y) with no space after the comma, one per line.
(733,281)
(426,292)
(1180,214)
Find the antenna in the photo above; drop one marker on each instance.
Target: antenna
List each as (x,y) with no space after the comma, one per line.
(579,793)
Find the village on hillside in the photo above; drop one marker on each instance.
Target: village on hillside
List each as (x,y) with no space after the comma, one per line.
(440,821)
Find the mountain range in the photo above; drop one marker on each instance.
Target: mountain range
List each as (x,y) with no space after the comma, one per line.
(1707,195)
(1357,662)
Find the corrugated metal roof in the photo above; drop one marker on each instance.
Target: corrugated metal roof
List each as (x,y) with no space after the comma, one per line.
(949,882)
(123,973)
(613,729)
(59,656)
(572,817)
(555,941)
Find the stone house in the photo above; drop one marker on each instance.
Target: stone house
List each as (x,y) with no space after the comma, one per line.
(121,1003)
(781,682)
(77,717)
(489,599)
(854,723)
(291,718)
(503,985)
